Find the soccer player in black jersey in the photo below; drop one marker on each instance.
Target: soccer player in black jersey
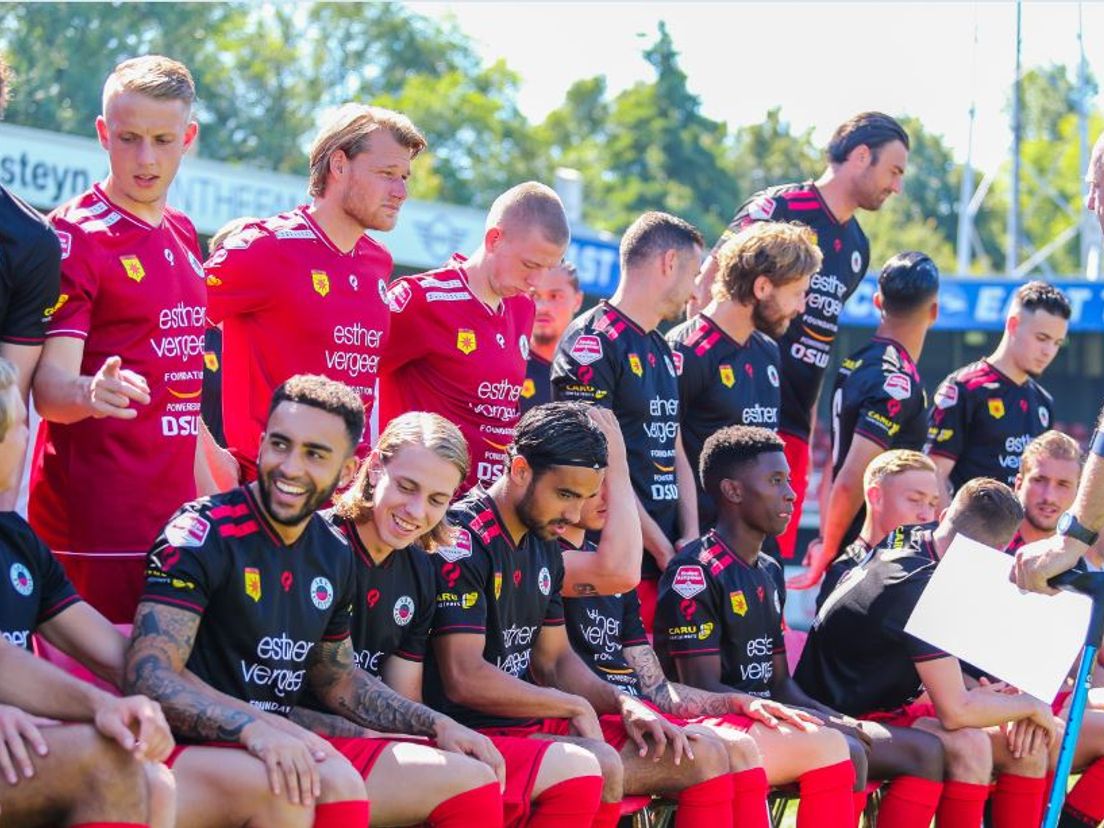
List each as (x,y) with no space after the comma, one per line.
(859,659)
(558,298)
(986,413)
(393,516)
(501,660)
(878,401)
(867,156)
(614,357)
(900,486)
(725,356)
(251,591)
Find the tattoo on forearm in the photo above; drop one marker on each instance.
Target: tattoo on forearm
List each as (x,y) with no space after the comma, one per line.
(362,698)
(161,642)
(327,724)
(676,699)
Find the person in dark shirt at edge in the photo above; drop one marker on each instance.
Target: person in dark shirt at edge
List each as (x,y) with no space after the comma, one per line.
(558,298)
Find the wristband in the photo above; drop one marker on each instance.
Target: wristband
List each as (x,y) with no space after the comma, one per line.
(1096,445)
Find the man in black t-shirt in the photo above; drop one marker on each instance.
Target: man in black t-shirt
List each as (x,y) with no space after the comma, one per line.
(878,401)
(558,298)
(867,156)
(859,659)
(987,412)
(614,357)
(725,356)
(251,591)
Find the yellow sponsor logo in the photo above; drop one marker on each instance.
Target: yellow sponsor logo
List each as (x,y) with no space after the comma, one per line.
(133,268)
(465,341)
(253,583)
(705,631)
(739,602)
(50,311)
(321,282)
(469,599)
(213,281)
(728,377)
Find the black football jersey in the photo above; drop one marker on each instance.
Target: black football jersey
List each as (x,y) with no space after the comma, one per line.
(983,421)
(858,658)
(537,388)
(607,359)
(34,587)
(30,271)
(722,383)
(489,586)
(853,555)
(263,604)
(713,602)
(807,345)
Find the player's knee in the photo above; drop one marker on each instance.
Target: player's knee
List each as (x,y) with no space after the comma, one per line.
(743,753)
(968,756)
(565,760)
(1032,765)
(162,795)
(921,755)
(469,773)
(710,759)
(609,763)
(859,758)
(341,782)
(111,774)
(825,746)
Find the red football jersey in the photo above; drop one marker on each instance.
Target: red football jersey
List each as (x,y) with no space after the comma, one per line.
(134,290)
(452,354)
(291,303)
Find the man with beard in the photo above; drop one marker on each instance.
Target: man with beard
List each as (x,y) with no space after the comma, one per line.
(878,401)
(305,292)
(867,156)
(987,412)
(614,357)
(558,299)
(251,591)
(1045,485)
(725,356)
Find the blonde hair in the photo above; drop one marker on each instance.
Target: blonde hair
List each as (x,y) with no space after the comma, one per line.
(783,252)
(349,130)
(423,428)
(1053,444)
(227,230)
(155,76)
(8,377)
(893,462)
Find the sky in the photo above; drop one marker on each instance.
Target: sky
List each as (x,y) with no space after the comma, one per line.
(821,62)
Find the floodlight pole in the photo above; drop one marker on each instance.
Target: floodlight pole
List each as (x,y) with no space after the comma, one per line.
(1017,128)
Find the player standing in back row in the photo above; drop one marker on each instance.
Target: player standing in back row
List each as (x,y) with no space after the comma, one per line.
(867,157)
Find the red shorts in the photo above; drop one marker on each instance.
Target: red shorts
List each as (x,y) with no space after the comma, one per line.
(903,716)
(112,582)
(733,721)
(361,753)
(1060,701)
(798,454)
(179,749)
(523,761)
(613,730)
(647,591)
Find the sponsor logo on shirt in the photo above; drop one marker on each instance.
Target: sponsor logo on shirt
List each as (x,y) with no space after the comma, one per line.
(461,547)
(728,376)
(586,349)
(21,579)
(465,341)
(705,630)
(635,366)
(133,268)
(469,600)
(321,592)
(544,581)
(403,611)
(398,297)
(321,282)
(66,240)
(996,408)
(946,396)
(689,581)
(214,281)
(761,209)
(739,602)
(50,311)
(252,583)
(898,386)
(187,530)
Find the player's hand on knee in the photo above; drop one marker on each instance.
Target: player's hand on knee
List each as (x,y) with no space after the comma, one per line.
(138,725)
(1044,718)
(454,737)
(289,761)
(114,388)
(772,713)
(19,738)
(584,722)
(320,749)
(642,723)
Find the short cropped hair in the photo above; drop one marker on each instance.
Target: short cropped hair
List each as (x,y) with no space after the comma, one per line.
(784,252)
(727,450)
(908,281)
(350,130)
(326,394)
(654,233)
(894,462)
(531,204)
(1040,296)
(227,230)
(1053,444)
(8,377)
(987,511)
(414,428)
(154,76)
(871,129)
(559,434)
(5,84)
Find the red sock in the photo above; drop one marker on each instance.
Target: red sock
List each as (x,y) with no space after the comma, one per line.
(961,805)
(609,814)
(350,814)
(1046,796)
(1016,800)
(858,800)
(478,807)
(568,803)
(826,797)
(749,799)
(706,805)
(1086,801)
(910,802)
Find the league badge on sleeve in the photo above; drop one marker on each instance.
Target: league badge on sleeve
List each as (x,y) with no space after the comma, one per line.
(761,209)
(461,547)
(187,529)
(898,386)
(689,581)
(66,243)
(586,349)
(398,296)
(946,396)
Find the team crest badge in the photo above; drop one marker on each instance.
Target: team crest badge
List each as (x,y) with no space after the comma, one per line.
(523,346)
(321,282)
(739,602)
(213,281)
(498,585)
(253,583)
(403,611)
(210,361)
(321,593)
(772,375)
(728,376)
(133,268)
(465,341)
(544,581)
(1044,417)
(634,364)
(676,357)
(21,579)
(996,408)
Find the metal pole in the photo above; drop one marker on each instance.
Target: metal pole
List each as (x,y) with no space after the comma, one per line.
(1017,128)
(963,250)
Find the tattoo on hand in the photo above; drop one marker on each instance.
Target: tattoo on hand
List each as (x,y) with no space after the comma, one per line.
(676,699)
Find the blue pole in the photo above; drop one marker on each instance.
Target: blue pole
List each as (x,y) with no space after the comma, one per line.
(1069,739)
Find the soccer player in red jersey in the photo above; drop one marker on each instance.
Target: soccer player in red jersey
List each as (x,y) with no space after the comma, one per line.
(460,335)
(120,377)
(558,298)
(305,292)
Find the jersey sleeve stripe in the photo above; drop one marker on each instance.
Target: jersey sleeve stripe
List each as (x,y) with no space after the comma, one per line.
(68,332)
(64,603)
(403,654)
(338,637)
(472,628)
(692,653)
(173,602)
(22,340)
(941,453)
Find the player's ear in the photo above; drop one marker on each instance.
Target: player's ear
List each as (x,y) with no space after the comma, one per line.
(348,471)
(520,471)
(732,490)
(492,238)
(933,311)
(375,467)
(1017,482)
(577,302)
(761,287)
(878,301)
(1012,323)
(874,497)
(191,132)
(101,130)
(338,162)
(668,262)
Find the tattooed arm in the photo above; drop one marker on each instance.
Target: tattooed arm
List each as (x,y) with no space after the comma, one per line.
(330,724)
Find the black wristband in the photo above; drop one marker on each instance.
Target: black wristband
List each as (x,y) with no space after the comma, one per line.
(1096,445)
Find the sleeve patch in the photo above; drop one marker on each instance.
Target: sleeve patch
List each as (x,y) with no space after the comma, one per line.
(187,529)
(898,386)
(761,209)
(461,547)
(398,297)
(586,349)
(947,395)
(688,581)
